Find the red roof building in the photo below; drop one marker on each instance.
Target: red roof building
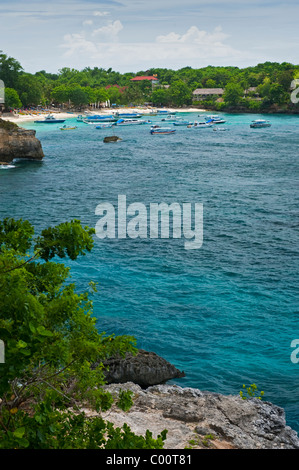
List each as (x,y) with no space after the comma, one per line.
(141,77)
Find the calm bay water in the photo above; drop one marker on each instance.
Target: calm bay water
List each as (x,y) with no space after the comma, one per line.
(225,314)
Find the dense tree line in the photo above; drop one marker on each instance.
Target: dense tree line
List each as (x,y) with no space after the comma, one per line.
(80,88)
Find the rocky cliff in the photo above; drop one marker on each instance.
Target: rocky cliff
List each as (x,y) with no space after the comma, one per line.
(198,419)
(192,417)
(16,142)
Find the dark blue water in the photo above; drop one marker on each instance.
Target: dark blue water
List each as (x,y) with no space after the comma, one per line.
(225,314)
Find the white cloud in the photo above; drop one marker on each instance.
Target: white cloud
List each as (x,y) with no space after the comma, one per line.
(101,13)
(87,22)
(172,50)
(194,36)
(109,32)
(77,43)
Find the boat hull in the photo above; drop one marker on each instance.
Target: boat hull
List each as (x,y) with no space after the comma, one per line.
(201,126)
(259,126)
(132,123)
(162,131)
(57,121)
(104,126)
(183,123)
(128,115)
(98,120)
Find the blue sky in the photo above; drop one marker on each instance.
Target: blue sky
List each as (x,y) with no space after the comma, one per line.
(134,35)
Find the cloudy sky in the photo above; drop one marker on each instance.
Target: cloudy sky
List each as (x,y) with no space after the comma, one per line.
(135,35)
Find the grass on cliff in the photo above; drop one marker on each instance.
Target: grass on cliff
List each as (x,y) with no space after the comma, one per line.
(8,126)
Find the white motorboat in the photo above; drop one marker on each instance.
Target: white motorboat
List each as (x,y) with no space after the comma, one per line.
(50,120)
(182,122)
(131,122)
(258,123)
(162,130)
(201,125)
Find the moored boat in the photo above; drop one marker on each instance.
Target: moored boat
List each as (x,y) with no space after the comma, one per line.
(182,122)
(215,119)
(162,130)
(149,113)
(131,122)
(201,125)
(162,112)
(260,123)
(98,118)
(105,125)
(120,115)
(171,118)
(67,128)
(50,120)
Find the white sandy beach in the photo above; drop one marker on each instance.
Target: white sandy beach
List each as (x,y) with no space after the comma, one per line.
(35,116)
(18,118)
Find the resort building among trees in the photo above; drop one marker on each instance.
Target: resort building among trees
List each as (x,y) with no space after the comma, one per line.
(206,93)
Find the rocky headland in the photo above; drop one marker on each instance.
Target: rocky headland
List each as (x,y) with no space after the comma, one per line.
(194,418)
(198,419)
(16,142)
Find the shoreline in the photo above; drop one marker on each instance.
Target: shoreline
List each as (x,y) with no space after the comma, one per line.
(30,117)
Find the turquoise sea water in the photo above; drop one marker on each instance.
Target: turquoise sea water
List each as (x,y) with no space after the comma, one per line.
(225,314)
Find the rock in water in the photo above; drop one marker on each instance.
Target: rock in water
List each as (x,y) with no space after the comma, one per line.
(112,138)
(16,142)
(144,369)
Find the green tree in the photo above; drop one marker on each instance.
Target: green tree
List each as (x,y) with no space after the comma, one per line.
(10,70)
(133,94)
(12,99)
(78,96)
(180,93)
(285,78)
(160,97)
(114,95)
(264,88)
(29,89)
(97,95)
(61,94)
(233,94)
(51,342)
(210,83)
(278,95)
(102,95)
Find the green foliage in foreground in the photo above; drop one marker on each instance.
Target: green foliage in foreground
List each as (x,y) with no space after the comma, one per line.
(251,392)
(51,341)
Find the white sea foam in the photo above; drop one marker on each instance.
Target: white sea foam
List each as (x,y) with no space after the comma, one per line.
(6,167)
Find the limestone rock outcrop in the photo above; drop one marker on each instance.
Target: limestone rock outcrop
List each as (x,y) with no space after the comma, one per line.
(144,369)
(16,142)
(199,419)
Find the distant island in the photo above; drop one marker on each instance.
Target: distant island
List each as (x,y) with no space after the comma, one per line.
(264,88)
